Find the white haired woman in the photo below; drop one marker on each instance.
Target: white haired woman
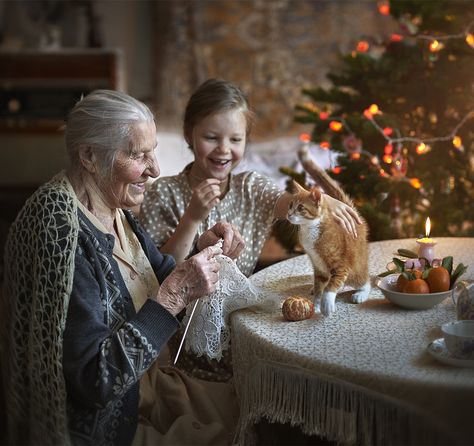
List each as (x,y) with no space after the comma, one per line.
(91,302)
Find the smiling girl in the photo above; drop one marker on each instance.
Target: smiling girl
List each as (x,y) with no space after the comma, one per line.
(178,209)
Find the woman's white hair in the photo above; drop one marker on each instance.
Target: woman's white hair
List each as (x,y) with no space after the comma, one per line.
(104,121)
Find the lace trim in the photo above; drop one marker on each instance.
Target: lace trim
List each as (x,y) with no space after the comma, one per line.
(209,331)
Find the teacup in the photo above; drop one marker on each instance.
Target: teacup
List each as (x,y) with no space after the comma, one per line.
(459,338)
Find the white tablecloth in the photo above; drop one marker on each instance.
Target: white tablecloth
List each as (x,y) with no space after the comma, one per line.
(362,375)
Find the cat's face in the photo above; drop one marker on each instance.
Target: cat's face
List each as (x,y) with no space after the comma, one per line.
(305,206)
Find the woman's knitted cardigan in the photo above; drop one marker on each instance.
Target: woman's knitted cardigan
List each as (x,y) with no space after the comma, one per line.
(40,261)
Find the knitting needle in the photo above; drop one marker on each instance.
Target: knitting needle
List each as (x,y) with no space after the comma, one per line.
(185,331)
(218,244)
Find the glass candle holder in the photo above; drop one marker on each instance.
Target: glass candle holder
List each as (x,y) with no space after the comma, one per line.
(426,248)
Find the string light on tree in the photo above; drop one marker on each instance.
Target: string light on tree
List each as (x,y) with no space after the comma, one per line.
(394,158)
(435,43)
(422,144)
(470,39)
(384,7)
(413,141)
(335,126)
(325,145)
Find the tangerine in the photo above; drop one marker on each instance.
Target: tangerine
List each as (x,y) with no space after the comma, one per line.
(438,279)
(402,280)
(417,286)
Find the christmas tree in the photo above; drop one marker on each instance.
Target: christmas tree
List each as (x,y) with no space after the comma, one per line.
(400,116)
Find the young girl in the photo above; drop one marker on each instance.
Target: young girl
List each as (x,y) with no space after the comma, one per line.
(178,209)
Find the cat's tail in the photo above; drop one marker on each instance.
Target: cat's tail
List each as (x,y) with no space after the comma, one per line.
(322,178)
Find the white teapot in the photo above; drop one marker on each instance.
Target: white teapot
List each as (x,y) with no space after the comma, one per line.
(464,301)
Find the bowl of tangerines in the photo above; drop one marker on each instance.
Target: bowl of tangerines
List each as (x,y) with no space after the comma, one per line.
(417,284)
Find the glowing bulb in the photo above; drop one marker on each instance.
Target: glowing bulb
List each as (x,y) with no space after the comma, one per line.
(371,111)
(421,148)
(457,142)
(335,126)
(470,39)
(396,37)
(305,137)
(384,7)
(387,131)
(324,115)
(388,149)
(415,182)
(387,159)
(362,46)
(374,109)
(355,155)
(436,46)
(337,170)
(324,145)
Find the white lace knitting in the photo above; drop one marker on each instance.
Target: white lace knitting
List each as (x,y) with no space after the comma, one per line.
(209,329)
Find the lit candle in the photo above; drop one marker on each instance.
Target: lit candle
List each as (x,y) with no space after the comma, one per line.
(426,244)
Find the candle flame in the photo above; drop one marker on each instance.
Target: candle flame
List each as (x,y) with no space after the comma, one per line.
(427,226)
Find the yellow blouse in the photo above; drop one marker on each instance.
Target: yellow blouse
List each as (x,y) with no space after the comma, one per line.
(134,266)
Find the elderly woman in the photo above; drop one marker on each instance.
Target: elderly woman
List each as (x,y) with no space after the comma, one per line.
(91,302)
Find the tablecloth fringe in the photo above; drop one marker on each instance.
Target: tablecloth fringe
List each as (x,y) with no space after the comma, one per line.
(288,395)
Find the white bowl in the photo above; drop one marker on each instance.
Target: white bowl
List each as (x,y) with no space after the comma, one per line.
(459,338)
(388,286)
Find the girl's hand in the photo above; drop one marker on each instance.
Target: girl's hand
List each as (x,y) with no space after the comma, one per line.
(233,241)
(205,197)
(191,279)
(345,215)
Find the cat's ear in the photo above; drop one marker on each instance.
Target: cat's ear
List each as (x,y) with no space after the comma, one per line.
(315,194)
(297,188)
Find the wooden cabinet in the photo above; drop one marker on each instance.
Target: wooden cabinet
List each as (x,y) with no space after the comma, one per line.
(37,89)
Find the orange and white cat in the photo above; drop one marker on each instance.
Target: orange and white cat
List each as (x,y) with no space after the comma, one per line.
(338,258)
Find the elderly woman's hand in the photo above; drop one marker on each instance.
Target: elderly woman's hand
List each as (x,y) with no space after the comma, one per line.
(345,215)
(192,279)
(233,241)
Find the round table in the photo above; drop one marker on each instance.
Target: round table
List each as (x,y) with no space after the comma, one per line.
(360,376)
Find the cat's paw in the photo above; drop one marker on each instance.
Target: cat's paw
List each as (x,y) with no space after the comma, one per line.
(317,305)
(328,303)
(361,294)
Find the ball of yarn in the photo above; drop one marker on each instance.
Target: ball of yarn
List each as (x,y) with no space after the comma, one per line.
(297,308)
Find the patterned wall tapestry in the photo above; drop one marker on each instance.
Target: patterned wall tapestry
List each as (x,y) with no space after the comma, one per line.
(271,48)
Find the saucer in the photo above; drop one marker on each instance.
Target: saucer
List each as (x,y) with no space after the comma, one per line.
(438,350)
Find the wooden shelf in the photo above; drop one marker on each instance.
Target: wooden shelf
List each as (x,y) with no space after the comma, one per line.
(61,65)
(38,88)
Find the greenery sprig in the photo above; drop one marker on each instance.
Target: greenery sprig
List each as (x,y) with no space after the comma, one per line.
(400,267)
